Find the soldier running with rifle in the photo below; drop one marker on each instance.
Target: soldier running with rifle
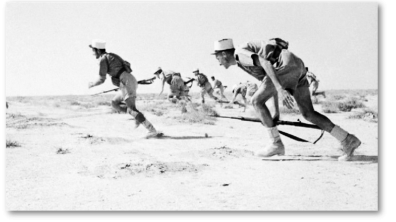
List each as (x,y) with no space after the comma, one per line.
(282,74)
(121,76)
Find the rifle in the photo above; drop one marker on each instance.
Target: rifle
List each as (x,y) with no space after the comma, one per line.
(280,122)
(235,102)
(115,90)
(142,82)
(146,81)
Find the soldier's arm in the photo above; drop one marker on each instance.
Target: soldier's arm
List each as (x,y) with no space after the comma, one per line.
(269,69)
(103,68)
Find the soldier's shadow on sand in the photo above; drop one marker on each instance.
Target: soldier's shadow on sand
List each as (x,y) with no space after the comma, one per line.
(360,158)
(185,137)
(356,158)
(363,158)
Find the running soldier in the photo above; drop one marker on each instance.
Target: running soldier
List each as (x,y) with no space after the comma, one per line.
(204,84)
(121,76)
(281,73)
(178,88)
(219,86)
(314,84)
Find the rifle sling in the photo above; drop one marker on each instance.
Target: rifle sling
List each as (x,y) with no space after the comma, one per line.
(298,124)
(293,137)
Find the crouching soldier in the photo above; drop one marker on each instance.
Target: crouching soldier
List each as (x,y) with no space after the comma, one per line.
(282,74)
(178,88)
(219,86)
(120,72)
(204,84)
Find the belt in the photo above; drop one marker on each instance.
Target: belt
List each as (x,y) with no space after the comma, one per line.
(119,73)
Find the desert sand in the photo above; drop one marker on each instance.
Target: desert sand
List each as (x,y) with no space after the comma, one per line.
(82,159)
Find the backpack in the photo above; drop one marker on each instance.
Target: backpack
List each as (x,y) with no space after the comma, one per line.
(202,79)
(126,64)
(281,43)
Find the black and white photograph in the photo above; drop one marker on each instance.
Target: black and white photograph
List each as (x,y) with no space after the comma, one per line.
(191,106)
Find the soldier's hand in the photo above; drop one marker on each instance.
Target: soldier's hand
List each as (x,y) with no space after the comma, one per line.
(90,85)
(286,98)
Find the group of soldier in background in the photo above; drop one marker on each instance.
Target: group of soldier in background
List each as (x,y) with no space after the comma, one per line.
(281,73)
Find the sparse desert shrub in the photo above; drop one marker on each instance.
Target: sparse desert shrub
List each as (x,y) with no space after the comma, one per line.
(339,97)
(198,115)
(75,103)
(350,103)
(62,151)
(285,110)
(330,106)
(88,105)
(22,99)
(346,105)
(14,115)
(12,144)
(365,114)
(157,112)
(103,103)
(209,110)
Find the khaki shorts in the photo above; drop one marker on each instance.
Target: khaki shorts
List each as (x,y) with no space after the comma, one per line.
(177,87)
(220,90)
(291,73)
(128,87)
(207,88)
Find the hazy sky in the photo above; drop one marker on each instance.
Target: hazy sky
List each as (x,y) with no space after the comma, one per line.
(47,50)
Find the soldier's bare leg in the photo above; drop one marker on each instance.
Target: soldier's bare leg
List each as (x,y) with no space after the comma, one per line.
(263,94)
(303,100)
(275,103)
(117,103)
(348,141)
(139,117)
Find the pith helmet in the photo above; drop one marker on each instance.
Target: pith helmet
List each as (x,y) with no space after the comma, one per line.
(222,45)
(98,44)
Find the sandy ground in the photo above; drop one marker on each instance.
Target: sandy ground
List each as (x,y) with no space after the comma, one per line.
(94,160)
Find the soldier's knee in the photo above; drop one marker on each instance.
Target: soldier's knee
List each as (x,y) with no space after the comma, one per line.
(307,114)
(255,101)
(140,118)
(115,104)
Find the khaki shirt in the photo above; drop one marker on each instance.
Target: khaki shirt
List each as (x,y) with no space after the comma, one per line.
(169,75)
(201,79)
(111,64)
(263,49)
